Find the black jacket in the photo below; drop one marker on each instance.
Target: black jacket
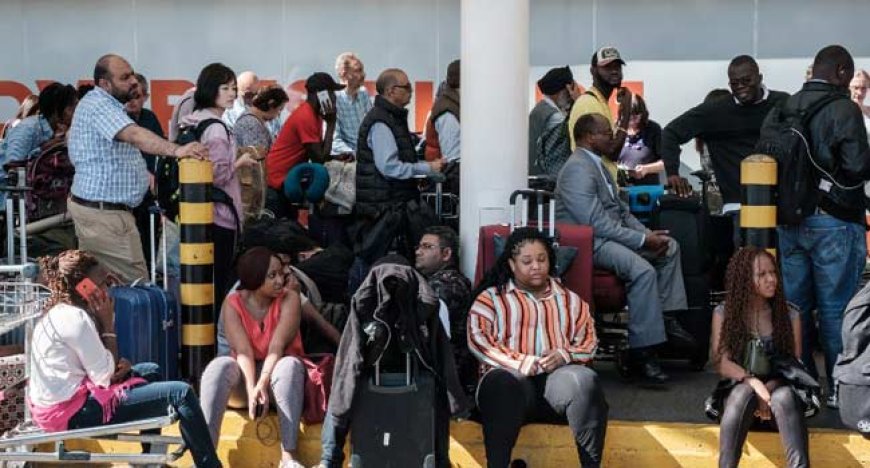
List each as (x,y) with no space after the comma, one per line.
(374,191)
(399,297)
(853,365)
(839,145)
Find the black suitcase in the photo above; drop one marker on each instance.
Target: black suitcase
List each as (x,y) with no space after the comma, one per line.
(394,422)
(688,221)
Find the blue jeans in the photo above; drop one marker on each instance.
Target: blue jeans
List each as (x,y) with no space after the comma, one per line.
(152,400)
(821,261)
(332,437)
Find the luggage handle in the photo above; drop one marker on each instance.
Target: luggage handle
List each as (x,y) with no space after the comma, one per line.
(155,211)
(17,192)
(541,196)
(377,376)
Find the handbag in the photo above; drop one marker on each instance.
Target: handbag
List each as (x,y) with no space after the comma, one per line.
(318,383)
(755,358)
(12,382)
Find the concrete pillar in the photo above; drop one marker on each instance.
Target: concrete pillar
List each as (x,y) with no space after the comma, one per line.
(495,114)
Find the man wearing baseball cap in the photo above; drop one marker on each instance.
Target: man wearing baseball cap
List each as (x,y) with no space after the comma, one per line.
(302,139)
(606,69)
(559,92)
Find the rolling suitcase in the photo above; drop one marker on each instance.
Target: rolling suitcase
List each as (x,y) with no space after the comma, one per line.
(395,422)
(147,323)
(689,224)
(571,239)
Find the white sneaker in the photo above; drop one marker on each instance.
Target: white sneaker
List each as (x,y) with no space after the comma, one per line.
(290,464)
(833,400)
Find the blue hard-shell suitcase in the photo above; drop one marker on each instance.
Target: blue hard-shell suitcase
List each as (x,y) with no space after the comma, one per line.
(147,325)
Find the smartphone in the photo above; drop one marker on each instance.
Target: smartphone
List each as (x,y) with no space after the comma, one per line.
(325,102)
(85,288)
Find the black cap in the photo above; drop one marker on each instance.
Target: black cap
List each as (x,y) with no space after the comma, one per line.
(322,82)
(555,80)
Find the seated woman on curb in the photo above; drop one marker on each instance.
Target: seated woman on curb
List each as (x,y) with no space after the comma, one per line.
(534,336)
(261,321)
(77,380)
(752,327)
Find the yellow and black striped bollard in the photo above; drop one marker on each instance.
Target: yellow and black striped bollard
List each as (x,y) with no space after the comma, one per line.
(758,204)
(196,215)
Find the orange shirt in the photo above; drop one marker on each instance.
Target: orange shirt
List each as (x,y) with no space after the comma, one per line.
(260,337)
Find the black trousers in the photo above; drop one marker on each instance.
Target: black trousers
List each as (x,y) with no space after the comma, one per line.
(507,400)
(224,254)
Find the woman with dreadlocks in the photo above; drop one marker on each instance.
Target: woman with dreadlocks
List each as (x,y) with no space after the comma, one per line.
(534,338)
(77,380)
(750,329)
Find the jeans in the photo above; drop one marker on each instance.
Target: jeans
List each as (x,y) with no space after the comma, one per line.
(821,261)
(332,437)
(738,416)
(152,400)
(508,400)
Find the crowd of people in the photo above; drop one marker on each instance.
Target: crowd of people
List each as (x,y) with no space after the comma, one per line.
(521,342)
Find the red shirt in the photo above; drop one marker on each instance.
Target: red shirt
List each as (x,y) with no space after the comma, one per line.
(302,127)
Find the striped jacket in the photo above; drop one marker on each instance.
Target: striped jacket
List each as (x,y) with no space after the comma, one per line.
(513,329)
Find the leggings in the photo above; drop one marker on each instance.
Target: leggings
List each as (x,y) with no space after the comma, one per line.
(223,384)
(507,400)
(739,415)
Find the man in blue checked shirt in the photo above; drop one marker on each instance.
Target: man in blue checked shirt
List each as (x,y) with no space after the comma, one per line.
(352,103)
(111,178)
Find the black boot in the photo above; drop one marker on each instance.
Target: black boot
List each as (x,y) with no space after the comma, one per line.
(678,337)
(645,367)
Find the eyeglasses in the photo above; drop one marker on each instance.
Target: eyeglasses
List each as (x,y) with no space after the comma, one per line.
(407,87)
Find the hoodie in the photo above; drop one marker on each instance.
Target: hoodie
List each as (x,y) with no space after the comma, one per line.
(222,153)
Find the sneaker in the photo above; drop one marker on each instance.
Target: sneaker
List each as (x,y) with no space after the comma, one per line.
(290,464)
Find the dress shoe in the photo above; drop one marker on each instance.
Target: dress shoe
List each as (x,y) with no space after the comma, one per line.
(677,335)
(646,368)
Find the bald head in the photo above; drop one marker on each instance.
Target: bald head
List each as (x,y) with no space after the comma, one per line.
(394,86)
(593,132)
(834,64)
(247,81)
(115,75)
(389,78)
(104,63)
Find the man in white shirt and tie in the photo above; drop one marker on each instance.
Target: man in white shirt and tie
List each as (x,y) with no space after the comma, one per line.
(648,261)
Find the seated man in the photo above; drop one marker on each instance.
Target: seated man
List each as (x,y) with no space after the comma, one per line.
(437,258)
(648,261)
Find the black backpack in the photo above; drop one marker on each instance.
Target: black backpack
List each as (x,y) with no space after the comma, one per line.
(168,190)
(787,139)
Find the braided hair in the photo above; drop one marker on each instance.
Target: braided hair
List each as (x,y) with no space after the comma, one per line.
(740,284)
(501,272)
(63,272)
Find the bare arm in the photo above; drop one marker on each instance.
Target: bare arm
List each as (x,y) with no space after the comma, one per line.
(285,332)
(240,344)
(148,142)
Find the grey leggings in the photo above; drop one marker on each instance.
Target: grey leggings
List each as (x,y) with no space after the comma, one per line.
(739,415)
(223,384)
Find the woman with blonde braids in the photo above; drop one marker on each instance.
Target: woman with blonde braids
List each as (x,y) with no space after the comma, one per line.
(751,329)
(76,378)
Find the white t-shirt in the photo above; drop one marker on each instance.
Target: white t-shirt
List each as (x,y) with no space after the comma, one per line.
(66,348)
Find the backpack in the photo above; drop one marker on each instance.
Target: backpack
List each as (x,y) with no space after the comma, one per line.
(49,176)
(553,148)
(166,172)
(787,139)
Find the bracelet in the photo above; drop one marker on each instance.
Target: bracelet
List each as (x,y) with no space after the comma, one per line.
(109,335)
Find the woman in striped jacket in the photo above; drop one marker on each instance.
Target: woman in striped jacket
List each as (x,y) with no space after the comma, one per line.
(534,338)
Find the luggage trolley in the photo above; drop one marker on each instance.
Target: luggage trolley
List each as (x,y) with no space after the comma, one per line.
(22,301)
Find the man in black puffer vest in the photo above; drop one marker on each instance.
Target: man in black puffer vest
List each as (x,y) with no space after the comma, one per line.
(387,198)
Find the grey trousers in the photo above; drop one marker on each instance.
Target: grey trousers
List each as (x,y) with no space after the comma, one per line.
(223,384)
(654,284)
(739,414)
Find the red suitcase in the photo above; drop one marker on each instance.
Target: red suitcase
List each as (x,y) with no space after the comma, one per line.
(578,277)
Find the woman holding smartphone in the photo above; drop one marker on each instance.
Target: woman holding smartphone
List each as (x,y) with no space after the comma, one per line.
(77,379)
(261,322)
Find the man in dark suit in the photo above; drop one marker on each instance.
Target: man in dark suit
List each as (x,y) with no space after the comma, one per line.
(648,261)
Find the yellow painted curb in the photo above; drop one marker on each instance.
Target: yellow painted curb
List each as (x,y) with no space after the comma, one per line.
(629,444)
